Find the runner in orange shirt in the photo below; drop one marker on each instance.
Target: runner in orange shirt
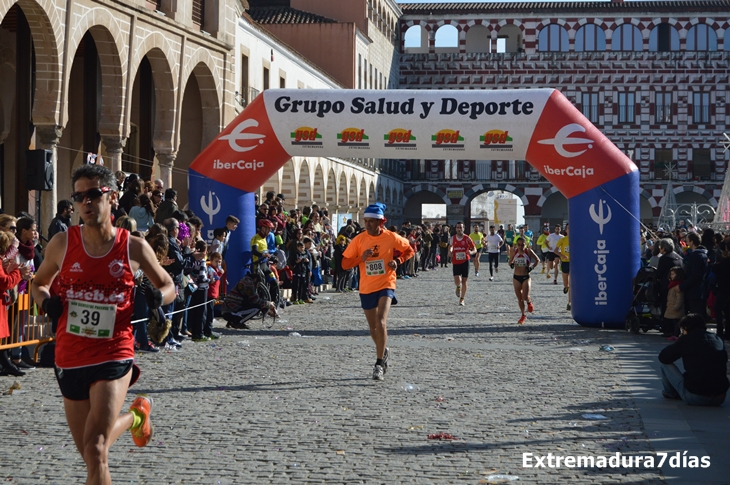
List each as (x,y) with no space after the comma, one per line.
(373,250)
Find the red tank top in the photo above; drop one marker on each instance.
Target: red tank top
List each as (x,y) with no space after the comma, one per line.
(460,249)
(95,291)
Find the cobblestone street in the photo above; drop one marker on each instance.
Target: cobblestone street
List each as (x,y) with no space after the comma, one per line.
(265,406)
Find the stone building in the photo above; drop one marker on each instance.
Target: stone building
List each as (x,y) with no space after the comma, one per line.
(143,83)
(652,75)
(361,39)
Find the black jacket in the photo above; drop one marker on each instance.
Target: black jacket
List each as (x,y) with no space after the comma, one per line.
(58,224)
(661,275)
(722,276)
(695,268)
(180,261)
(705,362)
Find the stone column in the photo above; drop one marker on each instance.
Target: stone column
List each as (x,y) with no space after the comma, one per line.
(114,148)
(47,137)
(166,162)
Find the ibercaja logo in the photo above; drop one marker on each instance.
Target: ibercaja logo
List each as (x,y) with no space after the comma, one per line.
(304,135)
(353,137)
(448,139)
(400,138)
(496,140)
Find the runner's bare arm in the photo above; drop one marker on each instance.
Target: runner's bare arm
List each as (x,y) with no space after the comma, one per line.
(143,257)
(50,267)
(533,257)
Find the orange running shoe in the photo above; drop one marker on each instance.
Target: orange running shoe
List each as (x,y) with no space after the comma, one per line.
(143,433)
(522,319)
(530,307)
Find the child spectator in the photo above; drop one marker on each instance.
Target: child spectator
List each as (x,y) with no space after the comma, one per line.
(215,273)
(219,240)
(675,304)
(316,277)
(201,329)
(299,262)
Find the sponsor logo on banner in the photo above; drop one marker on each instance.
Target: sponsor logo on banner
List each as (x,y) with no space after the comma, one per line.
(238,135)
(496,140)
(211,207)
(562,138)
(602,217)
(448,140)
(400,138)
(570,171)
(353,138)
(598,217)
(306,136)
(239,165)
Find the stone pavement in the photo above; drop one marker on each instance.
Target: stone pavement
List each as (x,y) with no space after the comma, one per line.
(263,406)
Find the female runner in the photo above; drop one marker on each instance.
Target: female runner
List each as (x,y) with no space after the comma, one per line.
(522,260)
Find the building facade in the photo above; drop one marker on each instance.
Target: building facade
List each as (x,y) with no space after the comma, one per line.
(652,76)
(361,46)
(143,83)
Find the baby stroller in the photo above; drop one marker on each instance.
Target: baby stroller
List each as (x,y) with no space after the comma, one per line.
(645,313)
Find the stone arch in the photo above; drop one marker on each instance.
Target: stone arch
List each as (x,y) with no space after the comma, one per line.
(427,187)
(46,30)
(164,65)
(554,208)
(318,186)
(272,184)
(443,31)
(305,185)
(342,191)
(352,194)
(331,195)
(413,208)
(694,189)
(363,198)
(112,50)
(646,207)
(584,43)
(371,194)
(478,39)
(421,33)
(289,182)
(513,33)
(473,192)
(203,66)
(380,196)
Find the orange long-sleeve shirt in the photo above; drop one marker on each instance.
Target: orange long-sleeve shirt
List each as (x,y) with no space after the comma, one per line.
(375,274)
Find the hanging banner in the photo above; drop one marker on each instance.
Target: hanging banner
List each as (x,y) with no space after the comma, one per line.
(537,125)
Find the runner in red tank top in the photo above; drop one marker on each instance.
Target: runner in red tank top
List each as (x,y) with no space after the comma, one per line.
(91,268)
(461,248)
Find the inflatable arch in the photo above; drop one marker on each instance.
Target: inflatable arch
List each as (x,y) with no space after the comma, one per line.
(537,125)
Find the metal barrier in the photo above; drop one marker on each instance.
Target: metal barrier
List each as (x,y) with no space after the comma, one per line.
(27,326)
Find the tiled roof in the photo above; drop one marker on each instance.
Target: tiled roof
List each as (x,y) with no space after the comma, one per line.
(286,15)
(675,5)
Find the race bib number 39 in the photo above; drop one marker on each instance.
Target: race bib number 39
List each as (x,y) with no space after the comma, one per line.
(374,268)
(91,320)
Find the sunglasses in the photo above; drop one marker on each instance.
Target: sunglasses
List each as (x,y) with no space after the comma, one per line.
(91,194)
(12,229)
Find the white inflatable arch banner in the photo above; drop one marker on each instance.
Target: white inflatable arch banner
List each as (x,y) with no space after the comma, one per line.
(537,125)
